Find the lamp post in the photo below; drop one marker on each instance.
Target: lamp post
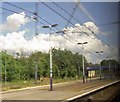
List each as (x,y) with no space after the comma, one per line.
(5,67)
(50,26)
(36,70)
(100,52)
(83,60)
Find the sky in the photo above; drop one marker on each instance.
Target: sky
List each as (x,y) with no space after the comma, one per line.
(18,30)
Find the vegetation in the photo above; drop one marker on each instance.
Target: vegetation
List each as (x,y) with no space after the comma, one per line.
(65,64)
(30,83)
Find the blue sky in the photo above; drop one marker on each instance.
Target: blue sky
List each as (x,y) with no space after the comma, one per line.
(102,13)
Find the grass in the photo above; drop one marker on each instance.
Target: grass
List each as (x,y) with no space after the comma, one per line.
(29,83)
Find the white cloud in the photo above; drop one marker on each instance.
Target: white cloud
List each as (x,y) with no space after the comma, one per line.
(14,22)
(16,41)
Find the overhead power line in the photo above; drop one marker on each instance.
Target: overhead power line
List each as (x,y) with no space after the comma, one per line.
(17,13)
(52,29)
(32,18)
(61,16)
(111,23)
(72,14)
(85,26)
(27,11)
(37,16)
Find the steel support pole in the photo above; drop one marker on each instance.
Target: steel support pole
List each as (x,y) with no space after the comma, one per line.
(83,65)
(5,73)
(51,87)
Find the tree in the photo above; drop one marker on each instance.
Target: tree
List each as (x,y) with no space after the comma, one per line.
(65,64)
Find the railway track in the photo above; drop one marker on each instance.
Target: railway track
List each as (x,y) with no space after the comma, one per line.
(106,93)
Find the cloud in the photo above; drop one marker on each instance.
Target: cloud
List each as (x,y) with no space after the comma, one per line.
(14,22)
(16,41)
